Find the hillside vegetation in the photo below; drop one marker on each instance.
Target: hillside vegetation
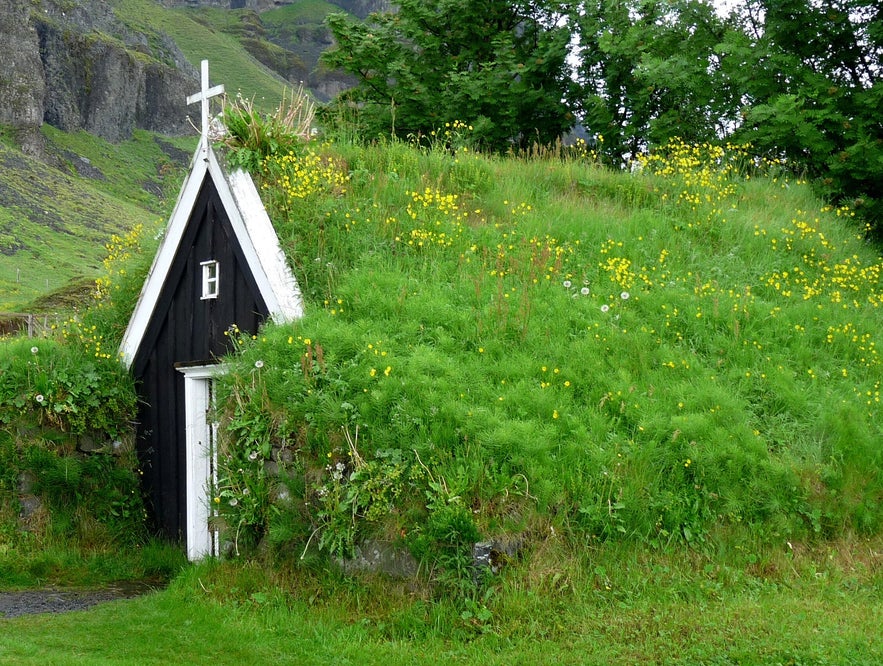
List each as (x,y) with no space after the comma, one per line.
(199,40)
(534,350)
(257,54)
(61,212)
(650,393)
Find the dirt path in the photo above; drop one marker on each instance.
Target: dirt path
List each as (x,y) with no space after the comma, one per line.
(62,600)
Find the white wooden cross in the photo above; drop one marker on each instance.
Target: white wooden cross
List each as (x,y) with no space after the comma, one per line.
(204,95)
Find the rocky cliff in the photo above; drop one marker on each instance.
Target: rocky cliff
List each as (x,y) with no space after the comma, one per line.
(22,84)
(77,66)
(360,8)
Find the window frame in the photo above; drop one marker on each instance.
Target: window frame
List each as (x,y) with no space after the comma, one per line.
(211,279)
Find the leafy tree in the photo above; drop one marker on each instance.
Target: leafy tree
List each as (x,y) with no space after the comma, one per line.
(812,89)
(498,65)
(649,70)
(798,79)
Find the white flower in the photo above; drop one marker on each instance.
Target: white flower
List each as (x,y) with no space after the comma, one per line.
(259,364)
(245,491)
(39,398)
(233,502)
(34,350)
(624,295)
(253,455)
(567,284)
(584,291)
(605,308)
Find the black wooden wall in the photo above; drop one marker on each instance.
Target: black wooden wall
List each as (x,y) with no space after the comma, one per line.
(187,330)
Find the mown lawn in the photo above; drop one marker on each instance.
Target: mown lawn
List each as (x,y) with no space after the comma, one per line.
(662,609)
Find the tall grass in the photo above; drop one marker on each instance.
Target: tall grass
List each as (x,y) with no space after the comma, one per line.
(683,354)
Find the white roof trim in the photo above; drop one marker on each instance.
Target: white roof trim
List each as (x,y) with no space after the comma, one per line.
(254,231)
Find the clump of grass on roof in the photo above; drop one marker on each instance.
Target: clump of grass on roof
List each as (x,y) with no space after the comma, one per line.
(253,135)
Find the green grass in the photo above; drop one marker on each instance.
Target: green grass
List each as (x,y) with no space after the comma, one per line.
(664,385)
(37,563)
(625,608)
(546,344)
(131,165)
(230,63)
(305,12)
(54,216)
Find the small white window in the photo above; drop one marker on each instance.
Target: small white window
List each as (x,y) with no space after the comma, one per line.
(210,279)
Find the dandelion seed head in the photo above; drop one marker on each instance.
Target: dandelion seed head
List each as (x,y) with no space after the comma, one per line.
(605,308)
(259,364)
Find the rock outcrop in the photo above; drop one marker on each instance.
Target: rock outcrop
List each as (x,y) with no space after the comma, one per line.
(77,66)
(22,84)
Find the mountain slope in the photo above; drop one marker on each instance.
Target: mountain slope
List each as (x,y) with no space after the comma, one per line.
(56,218)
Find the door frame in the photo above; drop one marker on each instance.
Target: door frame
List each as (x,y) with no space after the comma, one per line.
(201,459)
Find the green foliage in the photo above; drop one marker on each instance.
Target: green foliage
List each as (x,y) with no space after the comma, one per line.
(72,389)
(67,407)
(59,397)
(445,539)
(799,80)
(243,494)
(822,115)
(505,357)
(649,72)
(499,67)
(252,137)
(354,495)
(78,490)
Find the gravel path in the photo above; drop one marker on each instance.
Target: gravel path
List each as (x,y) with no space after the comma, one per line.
(61,600)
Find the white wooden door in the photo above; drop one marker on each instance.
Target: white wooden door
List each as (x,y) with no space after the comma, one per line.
(201,456)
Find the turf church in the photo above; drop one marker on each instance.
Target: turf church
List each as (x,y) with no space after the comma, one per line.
(219,265)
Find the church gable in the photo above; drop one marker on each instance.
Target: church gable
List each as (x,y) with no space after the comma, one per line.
(209,288)
(244,220)
(219,264)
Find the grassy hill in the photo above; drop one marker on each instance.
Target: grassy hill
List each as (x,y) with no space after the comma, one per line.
(255,54)
(656,394)
(513,349)
(199,39)
(57,214)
